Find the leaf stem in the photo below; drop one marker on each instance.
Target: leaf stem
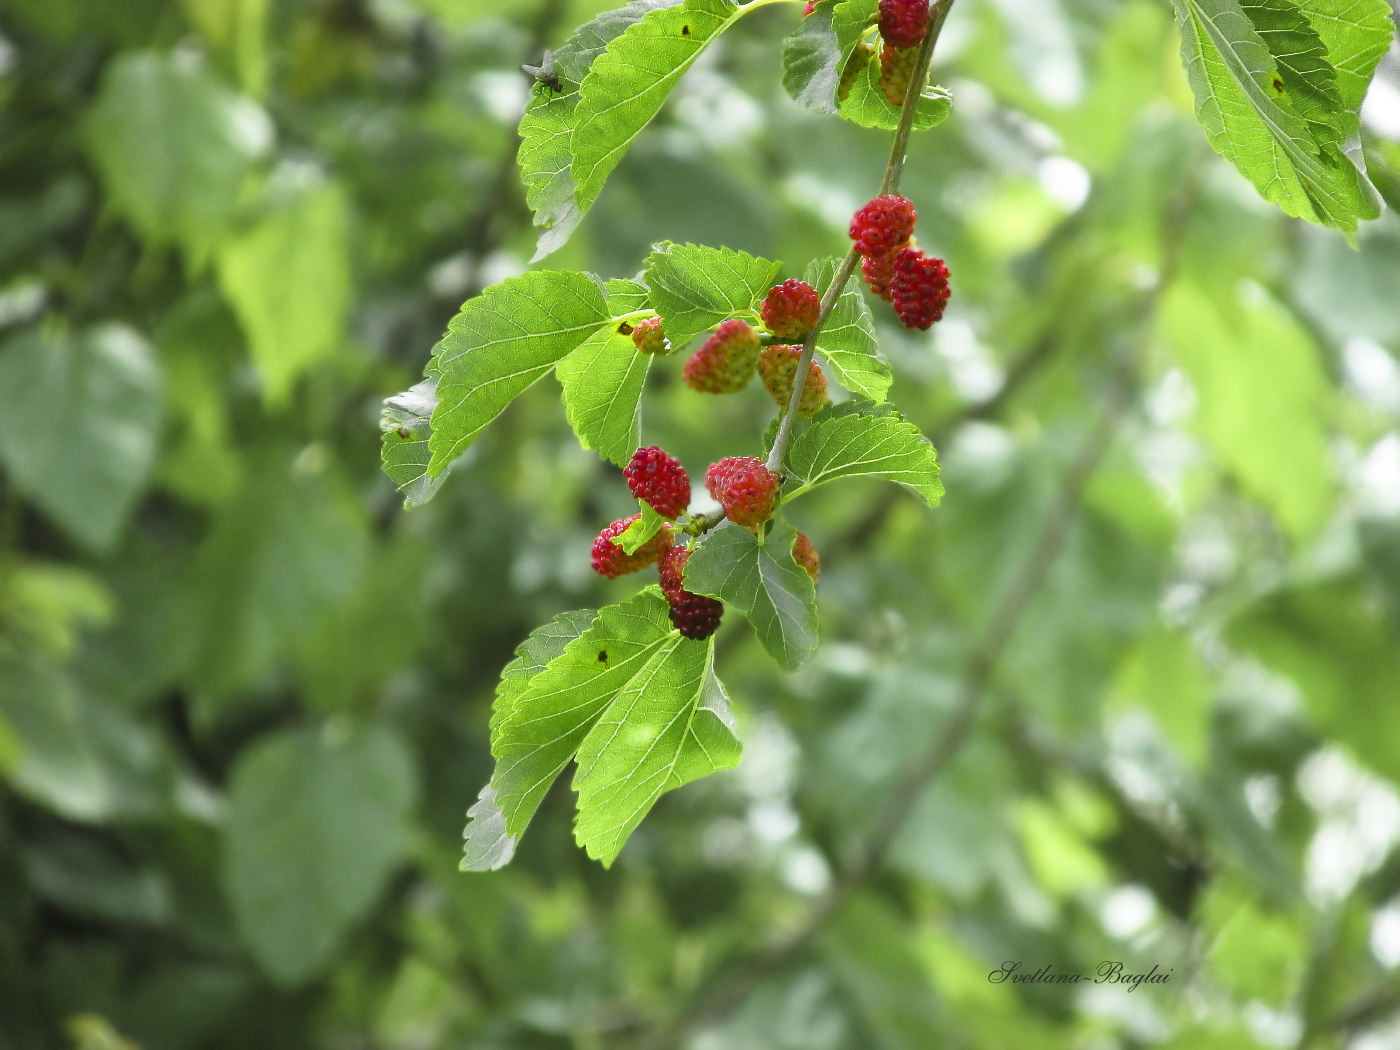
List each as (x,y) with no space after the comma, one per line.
(890,184)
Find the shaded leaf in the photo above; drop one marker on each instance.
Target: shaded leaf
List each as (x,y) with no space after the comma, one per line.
(487,844)
(406,423)
(288,280)
(1262,357)
(80,416)
(812,60)
(317,820)
(173,147)
(759,577)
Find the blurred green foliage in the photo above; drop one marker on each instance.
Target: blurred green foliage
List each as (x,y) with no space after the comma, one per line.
(244,697)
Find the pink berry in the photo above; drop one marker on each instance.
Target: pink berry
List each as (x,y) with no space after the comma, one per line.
(745,488)
(658,479)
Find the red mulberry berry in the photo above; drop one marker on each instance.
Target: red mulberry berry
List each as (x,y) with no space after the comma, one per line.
(650,337)
(657,478)
(777,366)
(919,290)
(811,6)
(879,272)
(745,488)
(896,72)
(694,615)
(726,363)
(904,23)
(883,225)
(806,555)
(791,309)
(610,560)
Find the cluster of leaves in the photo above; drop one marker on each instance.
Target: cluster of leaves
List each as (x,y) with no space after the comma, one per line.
(610,80)
(499,345)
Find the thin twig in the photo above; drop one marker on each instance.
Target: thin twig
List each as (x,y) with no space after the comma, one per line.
(894,168)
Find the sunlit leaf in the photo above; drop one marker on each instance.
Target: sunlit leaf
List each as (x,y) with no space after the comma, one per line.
(500,344)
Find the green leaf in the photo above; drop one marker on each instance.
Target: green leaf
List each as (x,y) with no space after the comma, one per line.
(80,416)
(1260,356)
(1356,34)
(867,106)
(550,717)
(669,725)
(173,146)
(627,296)
(487,844)
(288,280)
(548,124)
(758,576)
(628,83)
(1308,79)
(51,760)
(534,654)
(1164,675)
(814,56)
(500,344)
(603,381)
(812,61)
(847,340)
(694,287)
(291,544)
(855,442)
(1248,102)
(641,530)
(317,821)
(1339,647)
(407,426)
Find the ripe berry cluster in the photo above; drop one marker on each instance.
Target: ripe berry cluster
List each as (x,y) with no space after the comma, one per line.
(915,283)
(744,487)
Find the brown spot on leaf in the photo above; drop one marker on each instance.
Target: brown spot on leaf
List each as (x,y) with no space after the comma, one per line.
(603,657)
(1278,85)
(404,433)
(624,329)
(685,30)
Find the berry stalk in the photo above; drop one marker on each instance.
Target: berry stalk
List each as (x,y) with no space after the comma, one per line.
(890,184)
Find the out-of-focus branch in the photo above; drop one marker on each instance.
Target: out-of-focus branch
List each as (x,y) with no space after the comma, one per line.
(484,230)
